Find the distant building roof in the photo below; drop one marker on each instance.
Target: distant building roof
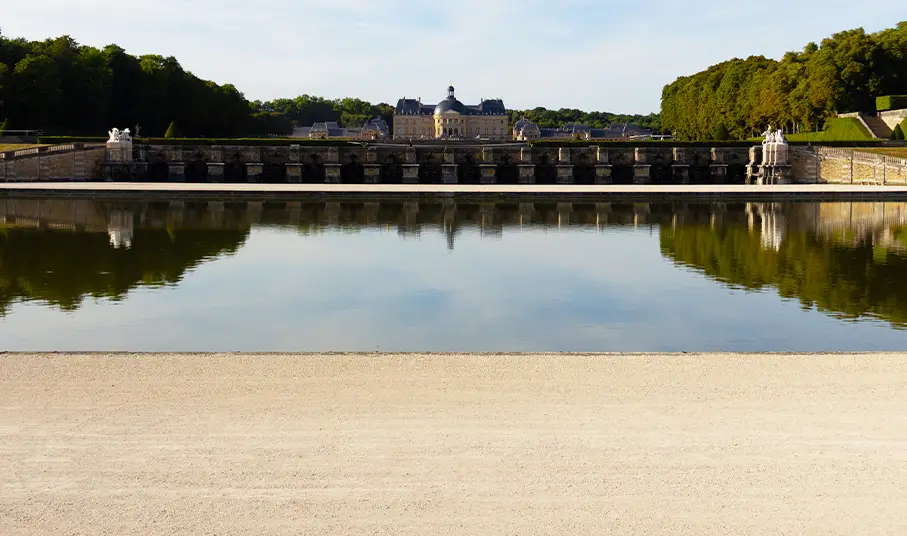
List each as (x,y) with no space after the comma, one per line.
(415,107)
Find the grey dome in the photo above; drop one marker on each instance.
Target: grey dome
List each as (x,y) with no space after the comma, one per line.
(450,104)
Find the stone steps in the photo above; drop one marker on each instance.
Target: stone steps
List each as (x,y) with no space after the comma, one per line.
(877,127)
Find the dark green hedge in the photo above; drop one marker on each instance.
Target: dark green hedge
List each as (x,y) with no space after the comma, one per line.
(207,141)
(891,102)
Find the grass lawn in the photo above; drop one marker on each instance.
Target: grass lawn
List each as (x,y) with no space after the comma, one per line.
(16,146)
(838,129)
(900,152)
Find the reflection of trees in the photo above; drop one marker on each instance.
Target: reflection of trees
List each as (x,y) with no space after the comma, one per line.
(849,281)
(61,268)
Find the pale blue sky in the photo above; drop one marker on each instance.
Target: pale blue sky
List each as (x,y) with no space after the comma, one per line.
(613,55)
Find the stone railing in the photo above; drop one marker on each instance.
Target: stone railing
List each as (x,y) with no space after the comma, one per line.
(830,164)
(863,156)
(37,151)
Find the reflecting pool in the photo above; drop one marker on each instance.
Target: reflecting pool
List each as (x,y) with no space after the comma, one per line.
(451,275)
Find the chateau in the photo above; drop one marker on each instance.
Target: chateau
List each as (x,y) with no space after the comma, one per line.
(450,119)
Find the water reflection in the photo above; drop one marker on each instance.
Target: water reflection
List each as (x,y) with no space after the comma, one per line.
(845,259)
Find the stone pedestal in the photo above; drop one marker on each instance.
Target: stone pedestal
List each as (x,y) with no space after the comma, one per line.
(119,152)
(719,173)
(449,174)
(215,172)
(332,173)
(681,173)
(603,174)
(176,171)
(527,174)
(642,174)
(410,173)
(295,154)
(140,170)
(254,172)
(372,174)
(294,172)
(565,174)
(489,174)
(174,153)
(216,154)
(642,169)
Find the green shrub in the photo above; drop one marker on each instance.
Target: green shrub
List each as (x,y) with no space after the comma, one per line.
(903,126)
(720,133)
(891,102)
(4,126)
(897,133)
(172,131)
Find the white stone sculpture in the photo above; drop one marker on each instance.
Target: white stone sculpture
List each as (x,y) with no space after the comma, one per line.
(119,146)
(119,136)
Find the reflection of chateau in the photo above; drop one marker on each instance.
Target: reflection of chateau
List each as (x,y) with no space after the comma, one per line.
(450,119)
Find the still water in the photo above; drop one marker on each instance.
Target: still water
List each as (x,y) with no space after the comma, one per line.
(451,275)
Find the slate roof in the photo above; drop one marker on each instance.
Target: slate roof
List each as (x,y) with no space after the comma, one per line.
(414,107)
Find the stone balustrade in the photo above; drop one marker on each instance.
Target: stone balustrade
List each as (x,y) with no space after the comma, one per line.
(479,164)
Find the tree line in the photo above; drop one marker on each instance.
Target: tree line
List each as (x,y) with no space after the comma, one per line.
(556,118)
(741,98)
(64,88)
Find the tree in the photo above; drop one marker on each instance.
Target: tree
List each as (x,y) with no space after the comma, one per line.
(800,92)
(172,131)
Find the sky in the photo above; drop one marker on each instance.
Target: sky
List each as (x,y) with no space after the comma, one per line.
(606,55)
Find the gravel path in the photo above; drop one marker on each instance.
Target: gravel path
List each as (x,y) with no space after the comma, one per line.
(453,444)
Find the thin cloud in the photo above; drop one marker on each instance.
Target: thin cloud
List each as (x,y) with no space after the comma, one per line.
(596,55)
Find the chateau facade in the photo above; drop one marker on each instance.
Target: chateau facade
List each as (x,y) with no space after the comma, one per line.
(451,119)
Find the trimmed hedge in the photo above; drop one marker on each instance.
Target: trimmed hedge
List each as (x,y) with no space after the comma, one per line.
(641,143)
(305,142)
(891,102)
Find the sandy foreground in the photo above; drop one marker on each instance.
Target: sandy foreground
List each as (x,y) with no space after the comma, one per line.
(453,444)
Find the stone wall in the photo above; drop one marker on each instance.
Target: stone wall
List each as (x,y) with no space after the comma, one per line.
(893,118)
(65,162)
(845,166)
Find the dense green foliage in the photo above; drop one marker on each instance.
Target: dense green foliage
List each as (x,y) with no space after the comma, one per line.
(556,118)
(799,93)
(41,80)
(845,280)
(891,102)
(41,265)
(897,133)
(4,126)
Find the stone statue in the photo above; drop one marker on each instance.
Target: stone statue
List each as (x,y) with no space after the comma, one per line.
(119,136)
